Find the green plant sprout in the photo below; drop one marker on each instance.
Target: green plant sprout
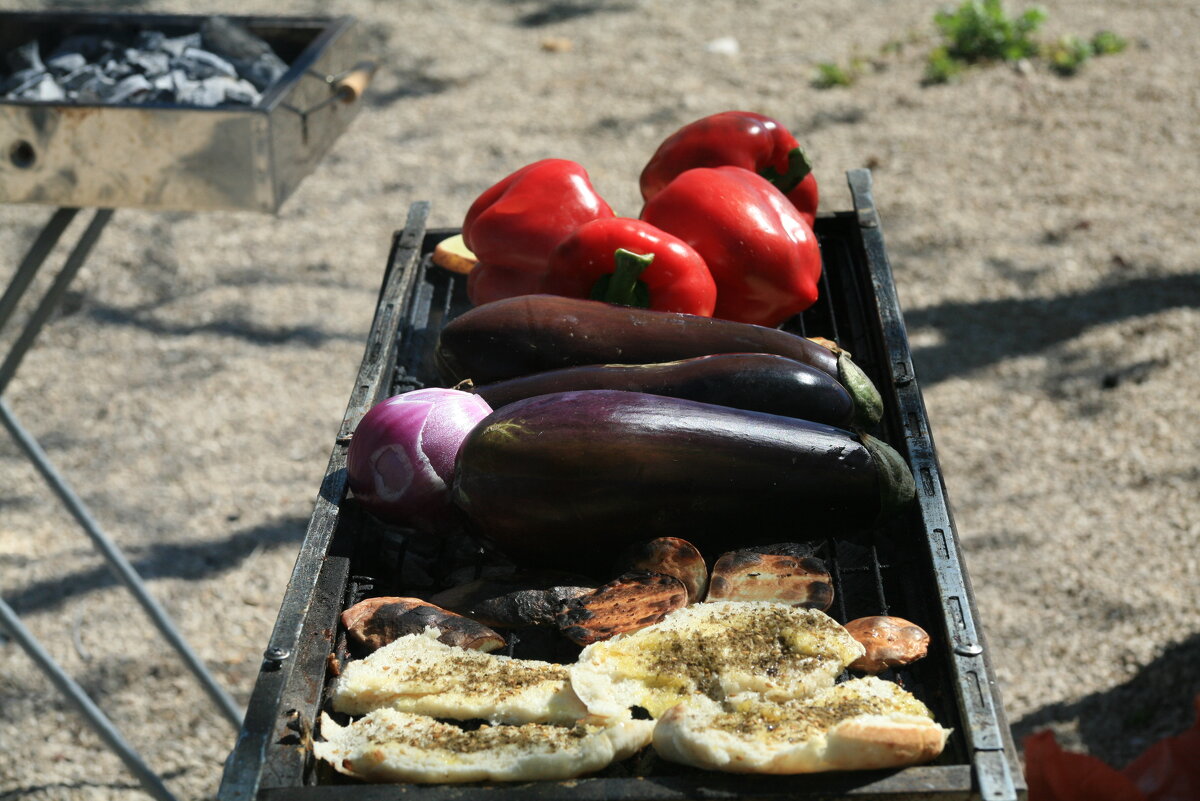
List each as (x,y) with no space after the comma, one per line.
(831,74)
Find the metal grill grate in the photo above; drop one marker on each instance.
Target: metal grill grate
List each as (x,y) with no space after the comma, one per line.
(910,567)
(860,572)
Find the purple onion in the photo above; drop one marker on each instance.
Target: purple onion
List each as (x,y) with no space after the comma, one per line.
(401,458)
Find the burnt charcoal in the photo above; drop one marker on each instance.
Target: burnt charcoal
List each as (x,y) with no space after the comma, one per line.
(215,91)
(97,88)
(20,82)
(67,63)
(175,47)
(26,57)
(238,91)
(44,89)
(254,58)
(116,69)
(222,35)
(77,80)
(90,47)
(201,64)
(128,89)
(146,67)
(264,72)
(149,41)
(149,63)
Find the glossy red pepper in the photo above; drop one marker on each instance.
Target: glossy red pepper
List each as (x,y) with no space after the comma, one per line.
(761,252)
(736,139)
(514,226)
(486,283)
(631,263)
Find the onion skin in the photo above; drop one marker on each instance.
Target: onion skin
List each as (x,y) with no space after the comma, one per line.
(401,458)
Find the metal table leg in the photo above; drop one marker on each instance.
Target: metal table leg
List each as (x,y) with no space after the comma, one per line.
(75,694)
(116,559)
(119,564)
(33,261)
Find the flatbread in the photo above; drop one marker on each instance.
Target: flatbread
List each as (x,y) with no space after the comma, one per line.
(391,746)
(861,724)
(418,674)
(716,650)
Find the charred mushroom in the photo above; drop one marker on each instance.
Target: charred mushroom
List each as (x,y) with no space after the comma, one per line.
(631,602)
(375,622)
(786,577)
(670,556)
(890,642)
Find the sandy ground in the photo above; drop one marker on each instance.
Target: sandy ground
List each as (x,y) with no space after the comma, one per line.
(1044,240)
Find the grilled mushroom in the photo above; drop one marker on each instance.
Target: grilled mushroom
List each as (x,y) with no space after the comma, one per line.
(631,602)
(521,599)
(890,642)
(783,576)
(670,556)
(375,622)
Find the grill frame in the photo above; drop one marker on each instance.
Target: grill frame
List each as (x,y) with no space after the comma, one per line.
(174,157)
(272,759)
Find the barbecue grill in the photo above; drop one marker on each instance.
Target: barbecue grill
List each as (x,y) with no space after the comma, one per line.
(911,567)
(155,155)
(170,156)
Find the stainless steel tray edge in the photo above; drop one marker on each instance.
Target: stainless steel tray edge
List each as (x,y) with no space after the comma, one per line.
(175,157)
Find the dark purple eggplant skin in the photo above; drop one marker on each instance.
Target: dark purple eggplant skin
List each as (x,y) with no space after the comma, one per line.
(757,382)
(569,479)
(534,333)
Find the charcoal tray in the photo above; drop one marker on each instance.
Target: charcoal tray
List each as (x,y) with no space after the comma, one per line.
(168,156)
(910,567)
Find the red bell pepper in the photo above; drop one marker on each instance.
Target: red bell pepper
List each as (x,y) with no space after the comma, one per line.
(513,227)
(760,251)
(631,263)
(486,283)
(736,139)
(1057,775)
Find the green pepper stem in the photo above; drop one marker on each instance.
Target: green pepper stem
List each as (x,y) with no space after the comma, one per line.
(798,169)
(622,286)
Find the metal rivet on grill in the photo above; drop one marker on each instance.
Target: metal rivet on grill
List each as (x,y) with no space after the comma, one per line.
(277,653)
(968,649)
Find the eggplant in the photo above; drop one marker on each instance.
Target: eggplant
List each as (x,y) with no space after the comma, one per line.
(534,333)
(758,382)
(572,478)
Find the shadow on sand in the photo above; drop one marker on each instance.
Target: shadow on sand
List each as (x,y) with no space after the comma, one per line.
(1119,723)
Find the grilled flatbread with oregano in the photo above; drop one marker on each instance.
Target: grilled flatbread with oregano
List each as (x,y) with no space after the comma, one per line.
(716,650)
(421,675)
(391,746)
(861,724)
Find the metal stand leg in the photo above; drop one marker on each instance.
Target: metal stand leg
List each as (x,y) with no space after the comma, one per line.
(124,571)
(116,559)
(74,693)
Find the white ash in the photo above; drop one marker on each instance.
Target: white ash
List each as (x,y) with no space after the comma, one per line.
(222,64)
